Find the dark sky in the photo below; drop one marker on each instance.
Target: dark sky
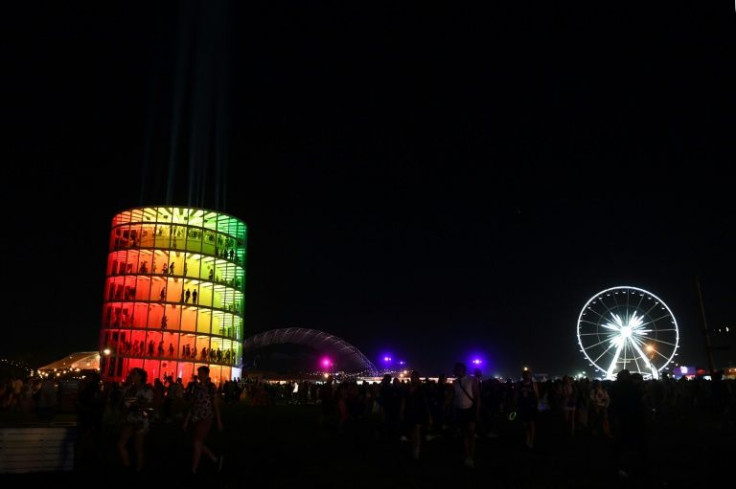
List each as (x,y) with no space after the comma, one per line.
(428,180)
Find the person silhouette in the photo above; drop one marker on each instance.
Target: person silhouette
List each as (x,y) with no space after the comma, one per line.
(136,405)
(526,403)
(204,411)
(466,400)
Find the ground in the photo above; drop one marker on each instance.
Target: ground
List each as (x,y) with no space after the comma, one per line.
(286,446)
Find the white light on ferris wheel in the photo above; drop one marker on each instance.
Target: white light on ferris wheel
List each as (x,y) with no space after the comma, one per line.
(627,328)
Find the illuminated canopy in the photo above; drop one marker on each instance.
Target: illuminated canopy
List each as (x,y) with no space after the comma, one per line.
(350,356)
(84,360)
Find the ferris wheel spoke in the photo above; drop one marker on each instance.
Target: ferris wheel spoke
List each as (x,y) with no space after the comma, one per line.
(660,355)
(601,342)
(607,334)
(650,366)
(599,315)
(667,330)
(592,324)
(639,352)
(614,361)
(636,340)
(641,332)
(604,353)
(637,362)
(639,302)
(668,344)
(656,320)
(651,308)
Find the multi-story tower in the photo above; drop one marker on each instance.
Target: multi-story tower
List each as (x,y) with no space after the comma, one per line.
(174,294)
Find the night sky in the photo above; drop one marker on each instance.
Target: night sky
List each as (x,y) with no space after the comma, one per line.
(425,180)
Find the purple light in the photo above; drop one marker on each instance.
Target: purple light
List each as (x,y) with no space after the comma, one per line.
(477,361)
(326,362)
(387,359)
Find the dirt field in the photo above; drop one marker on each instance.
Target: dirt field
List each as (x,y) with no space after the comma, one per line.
(286,446)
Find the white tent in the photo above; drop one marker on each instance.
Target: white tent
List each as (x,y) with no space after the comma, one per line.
(83,360)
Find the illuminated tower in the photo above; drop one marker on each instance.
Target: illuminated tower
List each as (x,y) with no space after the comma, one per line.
(174,294)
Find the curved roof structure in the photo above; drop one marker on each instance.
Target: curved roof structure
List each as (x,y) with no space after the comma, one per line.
(83,360)
(349,356)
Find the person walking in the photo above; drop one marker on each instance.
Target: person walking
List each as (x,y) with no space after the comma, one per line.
(466,401)
(204,410)
(136,411)
(415,412)
(527,402)
(90,409)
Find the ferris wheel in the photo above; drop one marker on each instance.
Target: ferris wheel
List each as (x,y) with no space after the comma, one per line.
(628,328)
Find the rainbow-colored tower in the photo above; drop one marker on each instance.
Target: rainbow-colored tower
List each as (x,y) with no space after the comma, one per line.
(174,294)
